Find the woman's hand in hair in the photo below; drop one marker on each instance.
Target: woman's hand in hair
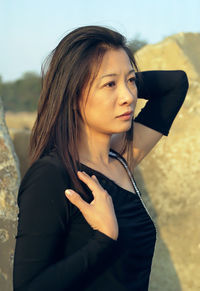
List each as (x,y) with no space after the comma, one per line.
(100,213)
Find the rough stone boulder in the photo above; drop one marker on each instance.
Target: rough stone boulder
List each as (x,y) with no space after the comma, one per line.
(20,139)
(170,174)
(19,125)
(9,183)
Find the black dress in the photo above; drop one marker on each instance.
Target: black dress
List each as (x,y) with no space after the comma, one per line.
(56,249)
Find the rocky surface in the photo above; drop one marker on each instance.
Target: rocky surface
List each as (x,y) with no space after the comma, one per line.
(20,139)
(169,175)
(9,183)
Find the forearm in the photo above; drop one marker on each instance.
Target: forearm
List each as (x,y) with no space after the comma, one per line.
(68,272)
(165,92)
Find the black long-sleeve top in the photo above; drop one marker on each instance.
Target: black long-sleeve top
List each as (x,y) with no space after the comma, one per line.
(56,249)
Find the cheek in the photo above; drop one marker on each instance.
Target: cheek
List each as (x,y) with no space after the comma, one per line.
(135,99)
(96,103)
(89,110)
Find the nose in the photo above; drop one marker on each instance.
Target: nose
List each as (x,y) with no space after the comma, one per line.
(127,95)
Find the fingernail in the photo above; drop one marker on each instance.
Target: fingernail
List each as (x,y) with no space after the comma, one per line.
(81,172)
(68,192)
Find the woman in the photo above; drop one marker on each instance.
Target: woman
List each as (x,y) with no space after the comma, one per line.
(82,223)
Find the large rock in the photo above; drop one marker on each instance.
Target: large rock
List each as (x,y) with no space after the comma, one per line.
(9,183)
(180,51)
(19,126)
(170,174)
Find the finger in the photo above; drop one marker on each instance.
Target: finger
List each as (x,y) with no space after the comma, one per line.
(96,180)
(85,177)
(76,199)
(92,183)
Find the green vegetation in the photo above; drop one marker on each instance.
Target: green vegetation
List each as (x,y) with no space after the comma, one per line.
(22,94)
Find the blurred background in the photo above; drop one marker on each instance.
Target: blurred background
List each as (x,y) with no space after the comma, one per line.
(163,35)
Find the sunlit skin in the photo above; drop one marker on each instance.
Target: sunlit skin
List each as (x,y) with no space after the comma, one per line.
(112,93)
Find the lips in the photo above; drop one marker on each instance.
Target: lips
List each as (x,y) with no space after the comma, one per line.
(127,113)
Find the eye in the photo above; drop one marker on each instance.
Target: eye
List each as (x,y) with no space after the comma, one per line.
(110,84)
(132,80)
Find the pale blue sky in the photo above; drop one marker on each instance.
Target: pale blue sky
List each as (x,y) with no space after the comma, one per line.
(30,29)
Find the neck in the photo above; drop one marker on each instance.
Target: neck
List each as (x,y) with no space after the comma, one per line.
(94,147)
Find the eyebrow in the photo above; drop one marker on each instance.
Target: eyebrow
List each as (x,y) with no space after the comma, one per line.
(111,75)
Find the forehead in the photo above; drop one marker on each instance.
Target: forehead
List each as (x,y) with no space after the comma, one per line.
(114,61)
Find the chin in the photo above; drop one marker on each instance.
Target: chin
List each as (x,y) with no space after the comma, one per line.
(124,128)
(128,125)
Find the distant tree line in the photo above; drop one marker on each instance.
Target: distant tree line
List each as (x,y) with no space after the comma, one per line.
(23,94)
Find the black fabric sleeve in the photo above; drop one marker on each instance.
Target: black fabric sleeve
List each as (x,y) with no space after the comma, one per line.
(165,92)
(44,214)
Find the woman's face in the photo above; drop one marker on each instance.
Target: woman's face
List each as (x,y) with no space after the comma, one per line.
(112,94)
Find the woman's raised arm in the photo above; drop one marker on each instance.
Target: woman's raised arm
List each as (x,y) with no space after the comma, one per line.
(165,92)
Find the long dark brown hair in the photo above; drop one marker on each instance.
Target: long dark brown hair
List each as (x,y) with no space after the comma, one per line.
(68,70)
